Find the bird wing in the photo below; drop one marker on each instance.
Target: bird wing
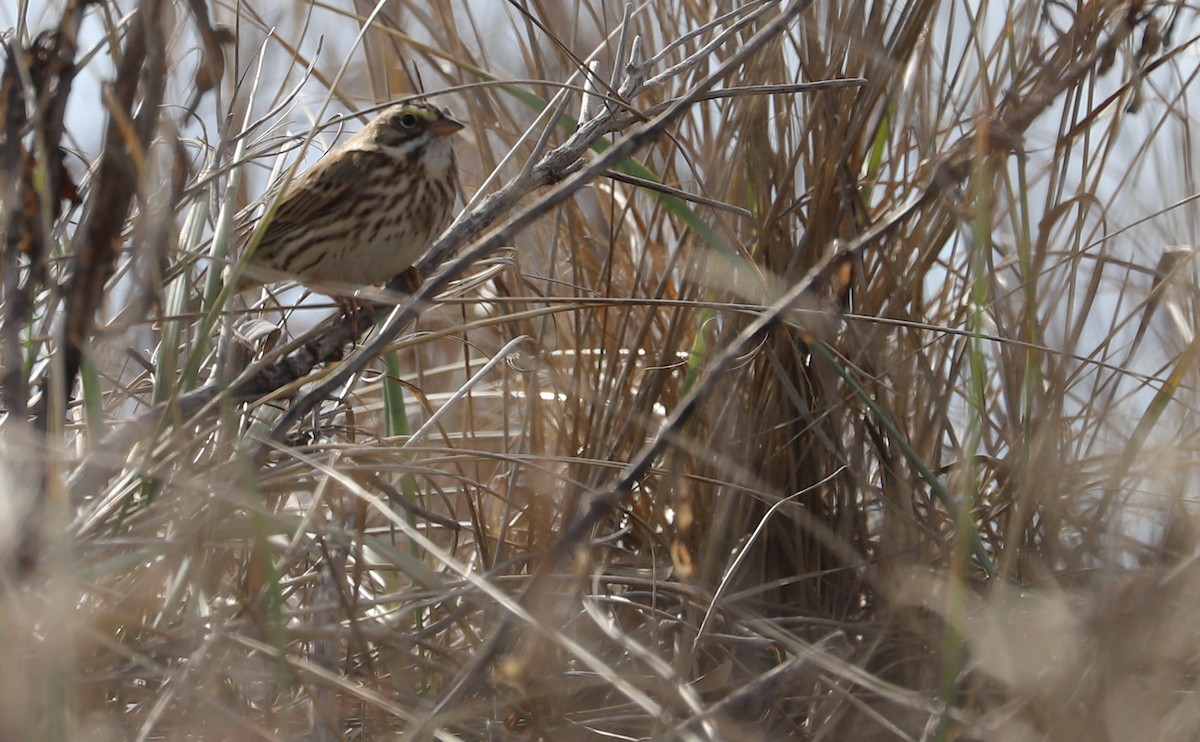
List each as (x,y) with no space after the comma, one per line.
(311,196)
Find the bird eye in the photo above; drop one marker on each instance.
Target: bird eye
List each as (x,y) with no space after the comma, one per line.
(408,120)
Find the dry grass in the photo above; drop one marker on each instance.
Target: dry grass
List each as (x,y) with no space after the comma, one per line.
(939,490)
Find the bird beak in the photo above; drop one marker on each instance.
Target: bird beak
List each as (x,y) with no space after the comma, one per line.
(444,126)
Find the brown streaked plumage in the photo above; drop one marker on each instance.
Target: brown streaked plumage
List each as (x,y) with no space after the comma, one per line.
(367,210)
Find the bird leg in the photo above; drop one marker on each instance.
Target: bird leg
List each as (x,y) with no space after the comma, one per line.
(352,307)
(408,282)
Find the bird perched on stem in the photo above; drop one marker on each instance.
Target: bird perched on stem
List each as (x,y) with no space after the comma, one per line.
(366,211)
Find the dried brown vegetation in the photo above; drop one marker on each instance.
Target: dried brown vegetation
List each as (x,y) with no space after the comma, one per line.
(814,370)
